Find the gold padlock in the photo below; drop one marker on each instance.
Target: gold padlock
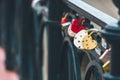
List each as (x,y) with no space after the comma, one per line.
(106,66)
(88,42)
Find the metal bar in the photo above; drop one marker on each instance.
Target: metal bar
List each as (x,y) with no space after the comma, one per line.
(54,39)
(112,35)
(90,12)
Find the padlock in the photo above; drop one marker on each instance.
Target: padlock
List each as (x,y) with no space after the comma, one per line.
(88,42)
(83,40)
(70,32)
(105,56)
(106,66)
(64,21)
(79,37)
(76,26)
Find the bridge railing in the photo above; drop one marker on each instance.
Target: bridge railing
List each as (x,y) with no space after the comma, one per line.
(110,30)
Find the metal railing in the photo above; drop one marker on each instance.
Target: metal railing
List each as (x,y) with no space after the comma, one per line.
(93,14)
(19,37)
(111,29)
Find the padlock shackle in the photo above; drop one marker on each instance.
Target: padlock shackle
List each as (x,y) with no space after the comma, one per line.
(92,32)
(66,14)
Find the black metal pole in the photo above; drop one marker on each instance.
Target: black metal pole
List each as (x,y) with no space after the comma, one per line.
(24,23)
(112,35)
(8,31)
(54,38)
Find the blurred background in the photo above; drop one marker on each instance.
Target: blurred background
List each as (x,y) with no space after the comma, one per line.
(18,36)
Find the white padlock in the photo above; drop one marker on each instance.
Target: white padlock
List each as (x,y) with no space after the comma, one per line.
(70,32)
(79,37)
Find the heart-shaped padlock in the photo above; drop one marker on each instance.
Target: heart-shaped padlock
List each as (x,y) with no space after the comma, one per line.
(88,42)
(76,26)
(79,37)
(83,40)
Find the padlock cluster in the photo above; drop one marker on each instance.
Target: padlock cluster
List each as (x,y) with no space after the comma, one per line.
(79,31)
(82,34)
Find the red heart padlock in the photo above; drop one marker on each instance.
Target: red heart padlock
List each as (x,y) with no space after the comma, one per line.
(77,25)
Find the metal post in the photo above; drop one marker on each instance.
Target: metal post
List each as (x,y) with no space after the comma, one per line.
(112,35)
(54,38)
(25,28)
(7,32)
